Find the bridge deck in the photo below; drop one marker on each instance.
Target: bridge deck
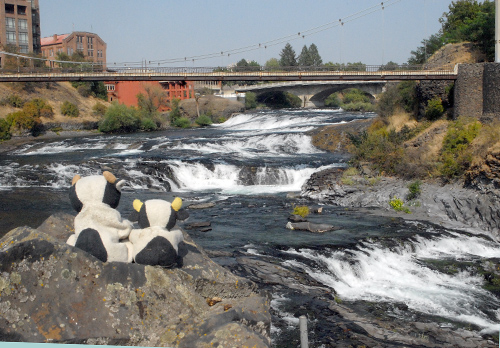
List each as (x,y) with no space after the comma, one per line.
(200,75)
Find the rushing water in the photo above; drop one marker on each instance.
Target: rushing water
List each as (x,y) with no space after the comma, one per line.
(247,166)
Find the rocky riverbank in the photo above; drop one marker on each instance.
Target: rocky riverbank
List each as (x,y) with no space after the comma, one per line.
(53,292)
(450,205)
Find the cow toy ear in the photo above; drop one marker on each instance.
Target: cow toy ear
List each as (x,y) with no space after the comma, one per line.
(75,179)
(134,215)
(137,205)
(120,184)
(109,177)
(177,204)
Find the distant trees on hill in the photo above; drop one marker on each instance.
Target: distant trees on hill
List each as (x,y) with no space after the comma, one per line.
(466,20)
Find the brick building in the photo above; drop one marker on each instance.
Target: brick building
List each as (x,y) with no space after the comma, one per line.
(125,92)
(20,26)
(90,45)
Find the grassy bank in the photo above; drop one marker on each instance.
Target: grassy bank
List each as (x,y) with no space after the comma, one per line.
(400,146)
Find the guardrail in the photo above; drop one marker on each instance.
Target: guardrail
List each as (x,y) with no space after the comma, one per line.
(89,72)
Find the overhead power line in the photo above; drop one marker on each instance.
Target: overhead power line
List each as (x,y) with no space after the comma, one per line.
(249,48)
(284,39)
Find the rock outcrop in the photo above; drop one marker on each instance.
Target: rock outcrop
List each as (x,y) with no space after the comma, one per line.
(452,205)
(53,292)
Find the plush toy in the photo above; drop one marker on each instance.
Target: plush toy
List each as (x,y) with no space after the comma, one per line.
(157,242)
(99,227)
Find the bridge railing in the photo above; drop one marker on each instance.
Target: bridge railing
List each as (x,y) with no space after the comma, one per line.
(351,69)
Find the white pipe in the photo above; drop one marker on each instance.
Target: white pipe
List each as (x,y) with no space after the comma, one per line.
(304,342)
(497,31)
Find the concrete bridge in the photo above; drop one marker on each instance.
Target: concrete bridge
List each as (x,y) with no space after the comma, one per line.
(314,93)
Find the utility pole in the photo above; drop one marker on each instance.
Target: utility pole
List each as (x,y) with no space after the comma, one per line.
(497,31)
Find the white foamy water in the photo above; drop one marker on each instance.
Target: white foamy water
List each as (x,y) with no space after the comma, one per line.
(376,273)
(255,146)
(264,122)
(227,179)
(68,146)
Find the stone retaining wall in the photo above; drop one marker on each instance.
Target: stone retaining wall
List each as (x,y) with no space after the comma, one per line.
(477,91)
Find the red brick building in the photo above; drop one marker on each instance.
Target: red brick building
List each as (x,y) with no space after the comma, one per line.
(20,26)
(125,92)
(90,45)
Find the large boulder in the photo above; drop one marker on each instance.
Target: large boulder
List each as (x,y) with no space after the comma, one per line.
(53,292)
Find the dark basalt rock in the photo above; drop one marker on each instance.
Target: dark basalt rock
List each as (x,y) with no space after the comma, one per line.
(53,292)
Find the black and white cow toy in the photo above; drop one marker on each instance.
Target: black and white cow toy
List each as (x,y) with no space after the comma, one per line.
(157,242)
(99,227)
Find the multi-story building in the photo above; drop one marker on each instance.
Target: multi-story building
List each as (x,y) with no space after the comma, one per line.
(20,26)
(90,45)
(125,92)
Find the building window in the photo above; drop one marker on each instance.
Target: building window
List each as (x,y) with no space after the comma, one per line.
(90,43)
(70,51)
(23,38)
(90,53)
(23,49)
(110,87)
(79,43)
(9,8)
(11,37)
(10,23)
(23,24)
(51,53)
(21,10)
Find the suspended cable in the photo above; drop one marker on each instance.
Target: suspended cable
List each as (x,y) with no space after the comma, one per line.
(287,38)
(249,48)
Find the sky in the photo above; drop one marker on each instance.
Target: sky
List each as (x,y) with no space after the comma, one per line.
(177,33)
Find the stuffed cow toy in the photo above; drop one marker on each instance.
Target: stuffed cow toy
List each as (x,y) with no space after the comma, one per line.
(99,228)
(157,242)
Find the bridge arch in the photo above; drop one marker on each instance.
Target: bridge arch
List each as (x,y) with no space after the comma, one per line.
(314,93)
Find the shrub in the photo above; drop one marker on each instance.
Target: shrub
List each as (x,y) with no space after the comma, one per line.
(359,106)
(148,125)
(348,174)
(301,210)
(402,96)
(398,205)
(333,101)
(414,190)
(120,119)
(99,109)
(354,95)
(22,120)
(250,100)
(84,90)
(456,154)
(175,113)
(203,120)
(4,129)
(221,119)
(182,122)
(13,100)
(434,109)
(69,109)
(38,107)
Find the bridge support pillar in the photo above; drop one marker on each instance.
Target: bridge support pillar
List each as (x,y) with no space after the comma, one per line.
(477,91)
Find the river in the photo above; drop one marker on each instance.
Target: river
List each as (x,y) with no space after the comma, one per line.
(253,167)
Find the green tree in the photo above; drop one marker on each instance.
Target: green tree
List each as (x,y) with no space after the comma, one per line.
(287,56)
(428,48)
(272,64)
(304,57)
(459,16)
(314,56)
